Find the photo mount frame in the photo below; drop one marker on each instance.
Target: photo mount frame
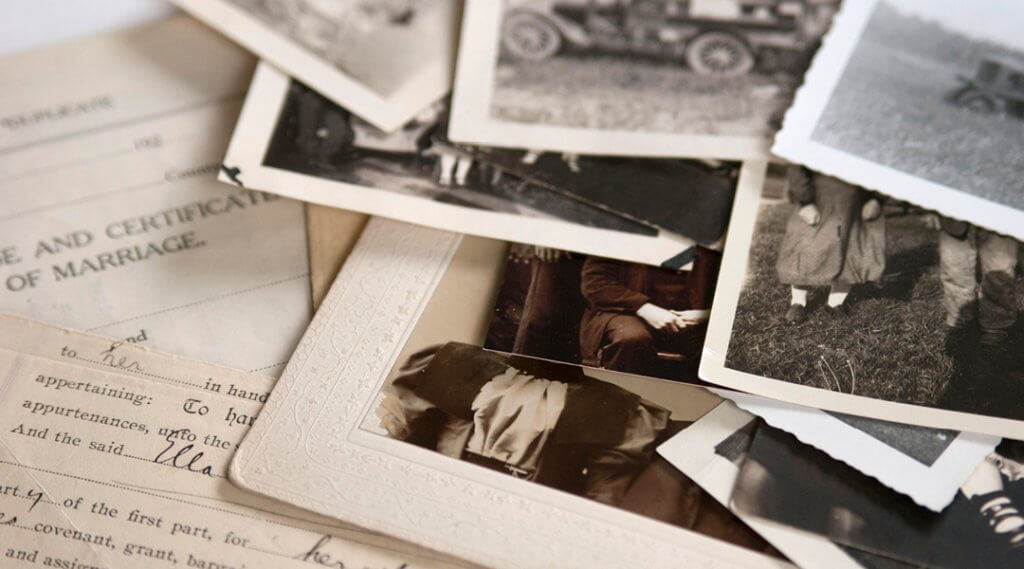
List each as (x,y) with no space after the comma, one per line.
(308,448)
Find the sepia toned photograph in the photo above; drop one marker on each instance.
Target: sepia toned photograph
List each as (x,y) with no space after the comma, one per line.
(982,527)
(293,141)
(922,100)
(385,60)
(835,296)
(551,424)
(602,313)
(712,70)
(498,446)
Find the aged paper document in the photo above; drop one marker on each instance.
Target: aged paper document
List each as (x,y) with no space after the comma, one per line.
(112,455)
(112,220)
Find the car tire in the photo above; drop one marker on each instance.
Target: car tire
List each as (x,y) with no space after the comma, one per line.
(978,102)
(719,53)
(526,35)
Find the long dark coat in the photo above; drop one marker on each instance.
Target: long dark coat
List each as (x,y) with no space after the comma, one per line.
(613,287)
(842,248)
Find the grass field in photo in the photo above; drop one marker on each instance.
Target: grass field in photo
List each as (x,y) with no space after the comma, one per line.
(609,92)
(890,107)
(894,345)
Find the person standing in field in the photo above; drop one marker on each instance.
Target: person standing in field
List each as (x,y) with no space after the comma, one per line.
(978,268)
(834,239)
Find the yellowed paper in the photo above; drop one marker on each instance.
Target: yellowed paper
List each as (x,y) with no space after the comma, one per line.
(112,455)
(112,220)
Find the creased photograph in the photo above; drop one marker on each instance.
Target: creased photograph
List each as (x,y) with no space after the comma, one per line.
(384,60)
(836,297)
(922,100)
(704,78)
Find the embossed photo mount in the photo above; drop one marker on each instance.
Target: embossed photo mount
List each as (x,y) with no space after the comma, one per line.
(314,445)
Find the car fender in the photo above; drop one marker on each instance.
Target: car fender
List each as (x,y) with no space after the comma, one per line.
(572,33)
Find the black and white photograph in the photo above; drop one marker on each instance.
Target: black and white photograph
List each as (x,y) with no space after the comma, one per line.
(704,78)
(292,141)
(927,465)
(982,527)
(838,297)
(385,60)
(922,100)
(603,313)
(688,197)
(551,424)
(712,450)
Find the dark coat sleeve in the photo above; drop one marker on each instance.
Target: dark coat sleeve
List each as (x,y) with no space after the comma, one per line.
(703,278)
(801,190)
(954,227)
(603,288)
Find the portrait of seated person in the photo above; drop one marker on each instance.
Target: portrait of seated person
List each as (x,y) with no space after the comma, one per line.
(646,320)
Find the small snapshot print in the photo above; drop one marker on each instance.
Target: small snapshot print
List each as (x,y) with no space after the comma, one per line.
(687,197)
(712,451)
(315,137)
(844,297)
(293,141)
(602,313)
(980,528)
(710,70)
(929,465)
(922,100)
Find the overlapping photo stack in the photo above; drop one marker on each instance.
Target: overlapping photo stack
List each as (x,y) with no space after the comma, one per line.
(837,400)
(650,283)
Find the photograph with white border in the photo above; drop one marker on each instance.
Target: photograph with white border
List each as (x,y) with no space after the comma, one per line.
(922,100)
(700,79)
(832,297)
(928,465)
(291,141)
(982,527)
(321,443)
(384,60)
(711,452)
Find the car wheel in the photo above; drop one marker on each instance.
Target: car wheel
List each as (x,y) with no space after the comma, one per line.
(719,53)
(978,102)
(530,36)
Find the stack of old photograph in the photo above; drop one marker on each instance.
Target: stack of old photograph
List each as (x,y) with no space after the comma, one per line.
(536,283)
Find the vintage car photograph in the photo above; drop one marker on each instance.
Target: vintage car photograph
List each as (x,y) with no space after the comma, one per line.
(996,87)
(730,66)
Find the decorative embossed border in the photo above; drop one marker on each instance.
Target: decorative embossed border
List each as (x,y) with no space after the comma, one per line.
(307,449)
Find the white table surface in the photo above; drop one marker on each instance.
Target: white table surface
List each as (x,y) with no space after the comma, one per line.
(25,24)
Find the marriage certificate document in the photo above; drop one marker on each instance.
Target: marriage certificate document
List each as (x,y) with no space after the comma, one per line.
(111,219)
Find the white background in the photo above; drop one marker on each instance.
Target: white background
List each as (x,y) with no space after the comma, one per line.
(26,24)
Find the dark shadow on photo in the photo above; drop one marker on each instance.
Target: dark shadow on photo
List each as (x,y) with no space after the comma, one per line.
(315,137)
